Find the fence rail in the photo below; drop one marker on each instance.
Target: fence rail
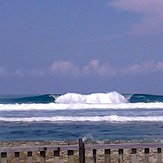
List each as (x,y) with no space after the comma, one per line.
(81,148)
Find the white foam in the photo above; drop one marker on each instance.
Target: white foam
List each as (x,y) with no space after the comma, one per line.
(55,106)
(96,98)
(112,118)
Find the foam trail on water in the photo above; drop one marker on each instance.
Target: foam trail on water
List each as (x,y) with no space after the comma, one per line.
(112,118)
(55,106)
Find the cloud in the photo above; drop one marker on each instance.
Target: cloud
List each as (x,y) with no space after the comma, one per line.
(3,71)
(37,72)
(96,67)
(159,66)
(144,68)
(64,67)
(150,11)
(24,72)
(93,67)
(19,72)
(102,69)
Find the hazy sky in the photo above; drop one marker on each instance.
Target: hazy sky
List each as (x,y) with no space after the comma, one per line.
(59,46)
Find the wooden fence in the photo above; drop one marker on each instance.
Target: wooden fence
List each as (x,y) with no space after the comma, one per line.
(82,148)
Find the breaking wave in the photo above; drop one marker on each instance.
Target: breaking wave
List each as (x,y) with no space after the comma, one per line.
(96,98)
(111,118)
(56,106)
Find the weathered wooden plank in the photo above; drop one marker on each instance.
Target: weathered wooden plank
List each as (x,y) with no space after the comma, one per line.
(94,155)
(29,157)
(70,154)
(4,157)
(38,148)
(17,157)
(76,147)
(159,158)
(107,156)
(146,155)
(120,156)
(134,155)
(81,151)
(42,157)
(124,146)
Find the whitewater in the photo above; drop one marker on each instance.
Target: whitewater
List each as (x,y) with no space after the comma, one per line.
(110,115)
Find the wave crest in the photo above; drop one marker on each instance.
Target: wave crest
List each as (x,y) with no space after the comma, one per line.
(111,118)
(95,98)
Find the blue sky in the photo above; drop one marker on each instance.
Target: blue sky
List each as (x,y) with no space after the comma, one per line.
(60,46)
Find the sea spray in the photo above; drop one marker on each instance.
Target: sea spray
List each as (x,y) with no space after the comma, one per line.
(96,98)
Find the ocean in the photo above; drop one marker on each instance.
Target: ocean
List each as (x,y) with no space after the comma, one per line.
(97,116)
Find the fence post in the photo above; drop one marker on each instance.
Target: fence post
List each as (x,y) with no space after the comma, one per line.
(29,155)
(17,157)
(107,156)
(4,157)
(42,157)
(146,155)
(159,155)
(56,155)
(94,155)
(81,151)
(120,157)
(134,153)
(70,156)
